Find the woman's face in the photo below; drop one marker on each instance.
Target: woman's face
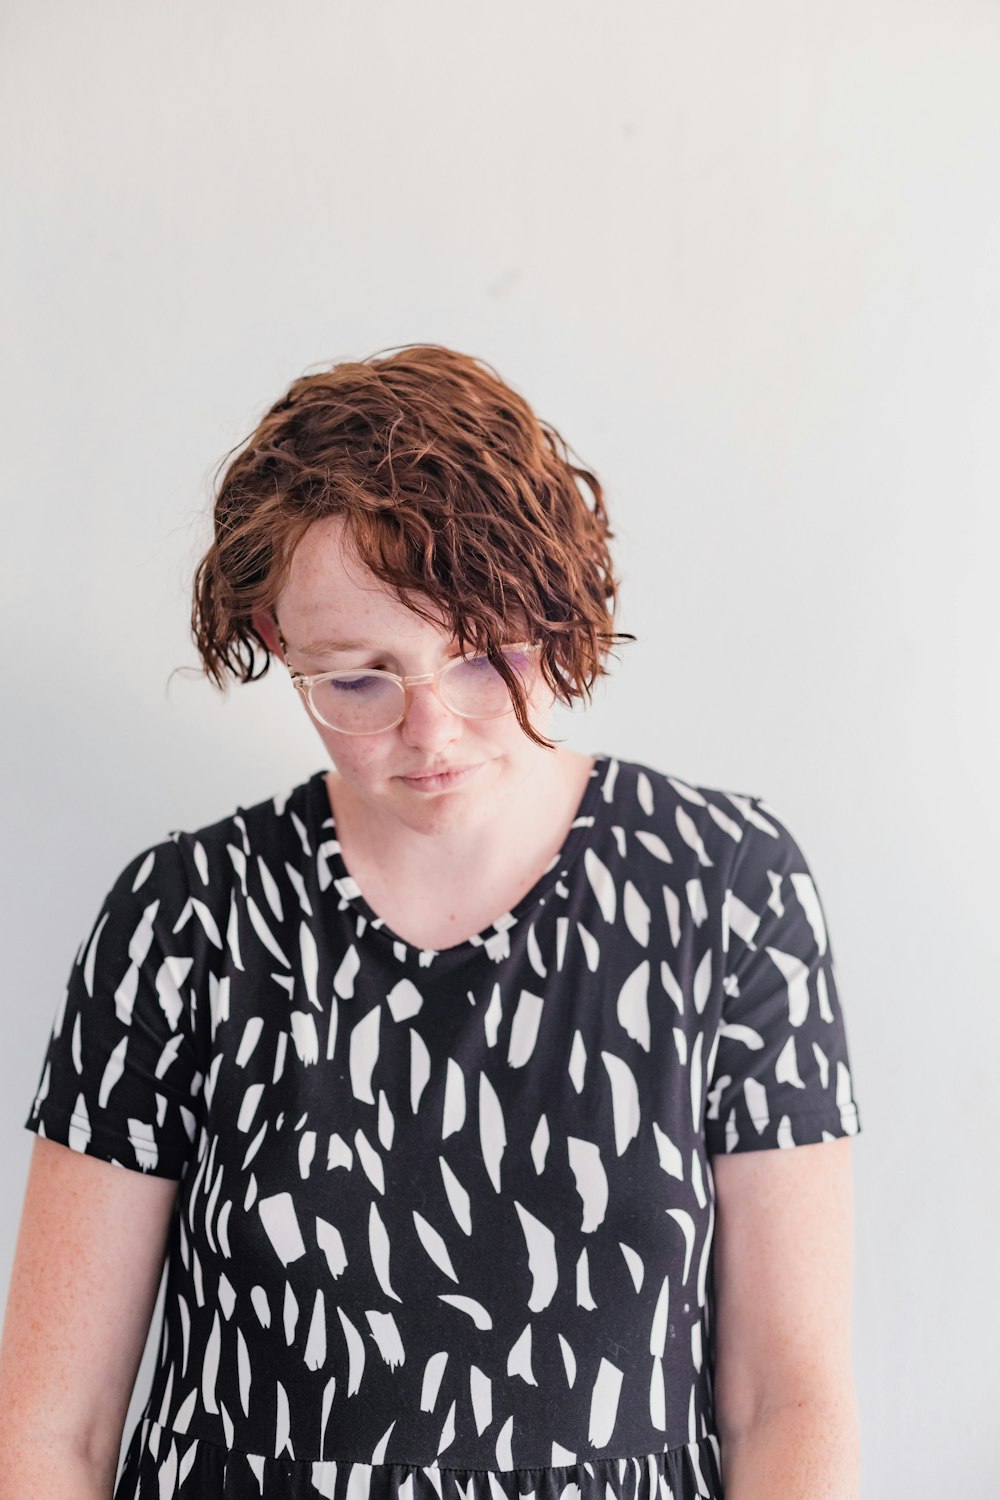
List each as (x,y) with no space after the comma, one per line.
(331,596)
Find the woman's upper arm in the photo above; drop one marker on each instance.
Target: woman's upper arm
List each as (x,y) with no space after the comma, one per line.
(783,1276)
(86,1272)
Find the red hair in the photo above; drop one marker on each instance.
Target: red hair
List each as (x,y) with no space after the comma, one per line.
(454,494)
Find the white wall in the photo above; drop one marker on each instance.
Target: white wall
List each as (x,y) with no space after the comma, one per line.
(746,259)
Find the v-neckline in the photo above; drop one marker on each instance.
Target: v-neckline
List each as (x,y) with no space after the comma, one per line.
(349,891)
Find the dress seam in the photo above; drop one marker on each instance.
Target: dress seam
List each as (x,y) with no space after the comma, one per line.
(799,1114)
(45,1115)
(402,1463)
(114,1135)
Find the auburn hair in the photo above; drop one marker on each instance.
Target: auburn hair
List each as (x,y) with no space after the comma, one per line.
(454,494)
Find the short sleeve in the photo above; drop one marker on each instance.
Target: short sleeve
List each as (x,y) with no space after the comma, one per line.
(121,1077)
(780,1074)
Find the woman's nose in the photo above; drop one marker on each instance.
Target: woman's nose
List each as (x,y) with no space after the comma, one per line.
(427,714)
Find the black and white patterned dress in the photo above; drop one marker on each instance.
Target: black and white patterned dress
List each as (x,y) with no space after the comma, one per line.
(445,1219)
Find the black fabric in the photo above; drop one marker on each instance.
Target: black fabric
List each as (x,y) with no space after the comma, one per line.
(445,1217)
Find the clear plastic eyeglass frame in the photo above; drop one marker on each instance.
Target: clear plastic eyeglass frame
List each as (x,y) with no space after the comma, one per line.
(305,683)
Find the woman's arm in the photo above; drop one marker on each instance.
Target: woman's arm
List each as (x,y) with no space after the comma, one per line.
(86,1272)
(786,1406)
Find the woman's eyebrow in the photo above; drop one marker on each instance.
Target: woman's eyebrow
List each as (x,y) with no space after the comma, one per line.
(322,648)
(316,648)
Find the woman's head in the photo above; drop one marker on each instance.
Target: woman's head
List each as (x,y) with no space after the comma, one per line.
(445,490)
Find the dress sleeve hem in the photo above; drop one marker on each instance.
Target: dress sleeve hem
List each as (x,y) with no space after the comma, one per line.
(816,1126)
(72,1130)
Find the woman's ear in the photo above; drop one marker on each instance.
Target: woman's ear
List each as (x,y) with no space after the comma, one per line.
(263,623)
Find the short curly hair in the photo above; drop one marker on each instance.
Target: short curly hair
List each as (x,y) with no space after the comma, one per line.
(454,494)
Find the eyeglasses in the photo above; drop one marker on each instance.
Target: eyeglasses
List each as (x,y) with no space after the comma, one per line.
(372,700)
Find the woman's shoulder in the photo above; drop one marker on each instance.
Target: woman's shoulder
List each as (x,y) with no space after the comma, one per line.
(656,790)
(736,837)
(270,829)
(204,862)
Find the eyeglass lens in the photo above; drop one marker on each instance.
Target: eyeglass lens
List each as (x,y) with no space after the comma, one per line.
(365,702)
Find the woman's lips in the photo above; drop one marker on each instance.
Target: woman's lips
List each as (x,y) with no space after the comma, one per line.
(435,783)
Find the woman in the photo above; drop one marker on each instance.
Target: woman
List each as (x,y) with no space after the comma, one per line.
(445,1080)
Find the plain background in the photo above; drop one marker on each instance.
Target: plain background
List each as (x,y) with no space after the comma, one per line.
(746,259)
